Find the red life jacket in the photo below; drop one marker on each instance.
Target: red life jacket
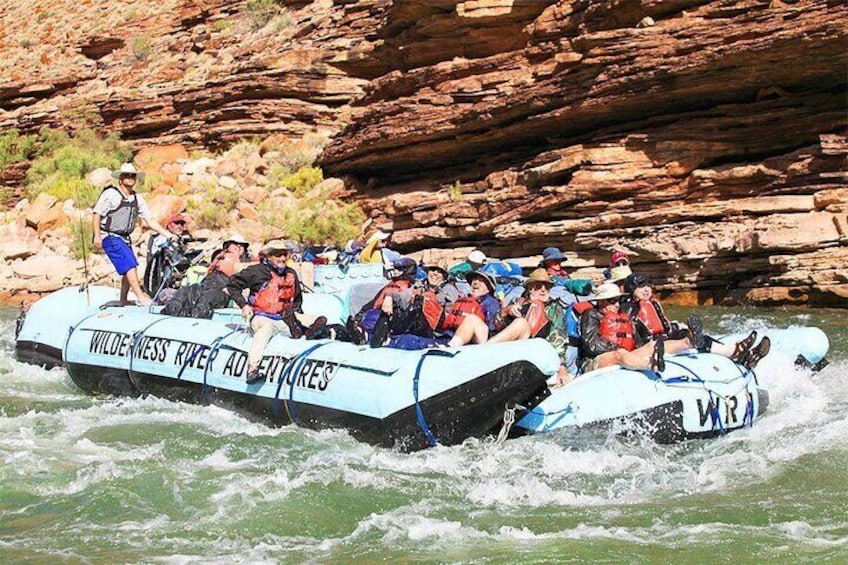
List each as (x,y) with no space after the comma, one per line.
(536,316)
(391,288)
(651,316)
(618,328)
(465,305)
(277,294)
(432,310)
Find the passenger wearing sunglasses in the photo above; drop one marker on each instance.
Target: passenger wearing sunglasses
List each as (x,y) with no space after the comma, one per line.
(609,337)
(651,323)
(535,314)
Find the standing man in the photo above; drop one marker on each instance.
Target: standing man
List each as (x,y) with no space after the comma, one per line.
(275,297)
(114,220)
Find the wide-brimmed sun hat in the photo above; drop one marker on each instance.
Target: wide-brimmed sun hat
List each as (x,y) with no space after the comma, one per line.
(126,170)
(278,247)
(606,291)
(620,273)
(440,266)
(236,238)
(539,276)
(477,257)
(553,254)
(487,279)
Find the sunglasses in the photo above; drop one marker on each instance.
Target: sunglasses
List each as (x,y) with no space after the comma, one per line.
(622,263)
(615,300)
(537,287)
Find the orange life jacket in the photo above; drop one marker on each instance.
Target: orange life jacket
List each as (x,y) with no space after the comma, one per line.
(618,328)
(465,305)
(277,294)
(650,314)
(432,310)
(536,316)
(391,288)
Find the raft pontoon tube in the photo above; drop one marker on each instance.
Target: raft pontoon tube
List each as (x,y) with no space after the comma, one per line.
(389,397)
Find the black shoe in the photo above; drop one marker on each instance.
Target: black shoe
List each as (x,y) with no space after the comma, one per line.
(355,333)
(696,334)
(658,356)
(757,353)
(255,376)
(295,329)
(316,330)
(381,331)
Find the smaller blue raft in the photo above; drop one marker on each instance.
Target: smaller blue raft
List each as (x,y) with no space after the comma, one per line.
(402,399)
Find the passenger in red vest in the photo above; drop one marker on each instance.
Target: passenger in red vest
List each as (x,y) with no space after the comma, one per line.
(536,315)
(474,318)
(396,309)
(651,323)
(274,304)
(609,336)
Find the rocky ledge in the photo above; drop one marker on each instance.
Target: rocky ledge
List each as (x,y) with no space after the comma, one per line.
(707,138)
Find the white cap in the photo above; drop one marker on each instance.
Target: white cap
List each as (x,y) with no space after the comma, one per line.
(477,257)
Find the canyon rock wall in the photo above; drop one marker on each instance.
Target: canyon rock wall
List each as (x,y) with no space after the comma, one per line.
(707,138)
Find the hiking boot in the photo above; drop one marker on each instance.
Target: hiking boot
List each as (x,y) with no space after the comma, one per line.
(381,331)
(756,354)
(255,376)
(658,356)
(740,352)
(316,329)
(295,329)
(696,334)
(355,333)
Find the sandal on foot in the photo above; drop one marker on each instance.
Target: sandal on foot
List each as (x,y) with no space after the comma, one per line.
(743,347)
(696,334)
(757,353)
(658,356)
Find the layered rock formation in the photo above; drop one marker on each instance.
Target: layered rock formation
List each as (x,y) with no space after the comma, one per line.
(706,137)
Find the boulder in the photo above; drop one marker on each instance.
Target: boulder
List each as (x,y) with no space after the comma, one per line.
(45,213)
(254,194)
(163,206)
(100,177)
(152,158)
(52,267)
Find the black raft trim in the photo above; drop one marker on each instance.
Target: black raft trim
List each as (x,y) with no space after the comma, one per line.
(472,409)
(40,354)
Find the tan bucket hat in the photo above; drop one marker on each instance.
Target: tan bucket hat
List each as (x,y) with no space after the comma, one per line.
(128,169)
(539,276)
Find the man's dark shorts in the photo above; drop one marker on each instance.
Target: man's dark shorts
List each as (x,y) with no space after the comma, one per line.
(120,253)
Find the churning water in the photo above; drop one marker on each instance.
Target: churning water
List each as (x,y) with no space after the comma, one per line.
(116,480)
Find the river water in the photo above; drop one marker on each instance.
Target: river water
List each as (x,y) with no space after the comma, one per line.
(116,480)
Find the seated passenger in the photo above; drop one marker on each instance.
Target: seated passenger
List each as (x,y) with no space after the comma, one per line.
(619,268)
(473,262)
(473,318)
(651,322)
(274,304)
(392,310)
(438,281)
(536,315)
(608,336)
(374,248)
(552,261)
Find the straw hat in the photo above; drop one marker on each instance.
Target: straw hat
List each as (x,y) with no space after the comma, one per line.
(441,266)
(128,169)
(606,291)
(278,247)
(539,276)
(620,273)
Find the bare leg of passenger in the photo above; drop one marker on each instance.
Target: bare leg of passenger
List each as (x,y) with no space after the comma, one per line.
(517,330)
(132,280)
(125,290)
(471,329)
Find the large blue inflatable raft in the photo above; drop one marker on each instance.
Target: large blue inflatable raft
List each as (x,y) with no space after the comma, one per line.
(394,398)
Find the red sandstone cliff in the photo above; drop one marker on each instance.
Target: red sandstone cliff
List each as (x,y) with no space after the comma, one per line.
(707,137)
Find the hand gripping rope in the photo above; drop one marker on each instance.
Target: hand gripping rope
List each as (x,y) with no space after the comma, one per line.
(419,413)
